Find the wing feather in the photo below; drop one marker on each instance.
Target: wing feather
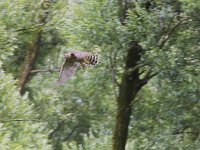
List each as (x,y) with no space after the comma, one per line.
(67,70)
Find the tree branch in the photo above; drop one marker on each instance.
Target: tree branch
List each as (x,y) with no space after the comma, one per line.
(18,120)
(114,75)
(166,37)
(45,70)
(113,69)
(71,133)
(149,75)
(182,132)
(31,28)
(32,50)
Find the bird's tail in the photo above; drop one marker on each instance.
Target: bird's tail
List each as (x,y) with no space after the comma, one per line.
(92,59)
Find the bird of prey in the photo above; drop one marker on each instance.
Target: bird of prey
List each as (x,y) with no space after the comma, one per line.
(74,60)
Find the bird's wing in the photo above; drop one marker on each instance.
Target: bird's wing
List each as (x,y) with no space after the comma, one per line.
(67,70)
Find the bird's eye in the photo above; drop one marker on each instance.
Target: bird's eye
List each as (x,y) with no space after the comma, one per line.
(72,55)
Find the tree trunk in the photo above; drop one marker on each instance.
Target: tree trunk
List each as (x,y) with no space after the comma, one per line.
(29,62)
(33,48)
(128,89)
(122,13)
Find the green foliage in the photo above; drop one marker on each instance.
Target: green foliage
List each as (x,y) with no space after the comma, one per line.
(80,114)
(18,119)
(91,142)
(7,40)
(166,117)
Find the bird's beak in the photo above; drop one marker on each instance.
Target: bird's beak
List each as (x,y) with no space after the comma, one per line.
(67,55)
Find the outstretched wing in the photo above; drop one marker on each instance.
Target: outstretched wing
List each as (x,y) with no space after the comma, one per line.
(67,70)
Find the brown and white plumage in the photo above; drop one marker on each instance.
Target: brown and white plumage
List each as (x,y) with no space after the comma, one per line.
(74,60)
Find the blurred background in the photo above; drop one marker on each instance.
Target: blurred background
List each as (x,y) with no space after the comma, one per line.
(143,94)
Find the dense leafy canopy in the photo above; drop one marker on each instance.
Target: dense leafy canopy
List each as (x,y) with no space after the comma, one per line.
(80,114)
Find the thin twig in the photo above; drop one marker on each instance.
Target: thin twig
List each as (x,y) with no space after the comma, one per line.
(146,78)
(166,37)
(17,120)
(182,132)
(113,69)
(45,70)
(31,28)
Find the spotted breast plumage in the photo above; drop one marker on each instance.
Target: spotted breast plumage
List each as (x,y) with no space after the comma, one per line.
(74,60)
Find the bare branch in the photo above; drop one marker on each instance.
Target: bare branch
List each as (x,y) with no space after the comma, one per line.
(113,69)
(136,100)
(149,75)
(115,83)
(166,37)
(45,70)
(71,133)
(187,132)
(31,28)
(17,120)
(114,75)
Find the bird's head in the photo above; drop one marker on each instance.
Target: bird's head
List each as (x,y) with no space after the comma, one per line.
(68,55)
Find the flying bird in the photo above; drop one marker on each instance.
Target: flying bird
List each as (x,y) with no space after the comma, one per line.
(74,60)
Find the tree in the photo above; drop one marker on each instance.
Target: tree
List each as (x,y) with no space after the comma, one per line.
(147,75)
(143,19)
(33,48)
(129,87)
(19,126)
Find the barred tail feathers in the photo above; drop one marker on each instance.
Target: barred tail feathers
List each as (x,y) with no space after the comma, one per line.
(87,59)
(92,59)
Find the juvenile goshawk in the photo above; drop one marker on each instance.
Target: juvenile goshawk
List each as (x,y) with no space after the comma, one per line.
(74,60)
